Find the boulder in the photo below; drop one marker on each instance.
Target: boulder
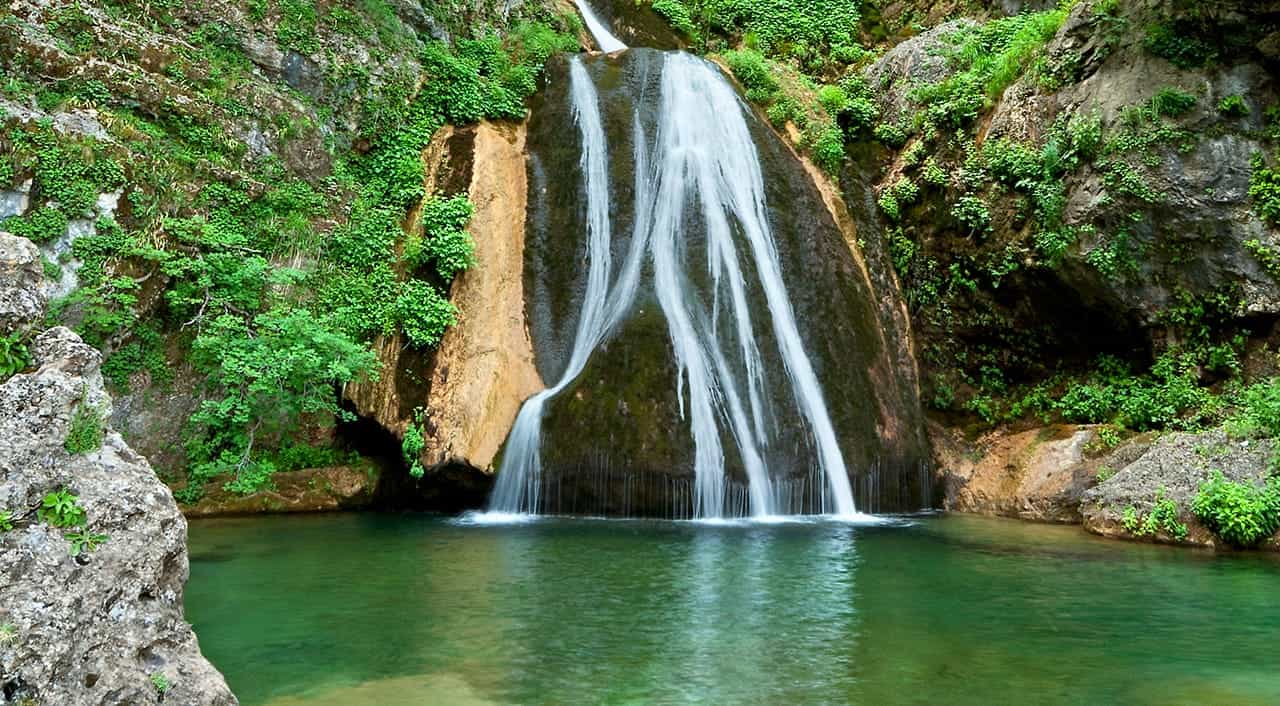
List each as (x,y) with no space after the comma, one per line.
(86,625)
(1040,474)
(21,300)
(1175,465)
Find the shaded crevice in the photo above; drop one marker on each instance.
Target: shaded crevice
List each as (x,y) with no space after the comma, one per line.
(449,488)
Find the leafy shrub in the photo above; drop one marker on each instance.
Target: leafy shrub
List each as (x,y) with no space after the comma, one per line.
(61,509)
(1259,410)
(14,356)
(675,12)
(987,60)
(423,313)
(1172,103)
(891,135)
(444,242)
(1242,514)
(902,192)
(1233,106)
(1264,189)
(827,147)
(6,521)
(270,372)
(752,69)
(413,444)
(85,433)
(1177,43)
(972,214)
(833,99)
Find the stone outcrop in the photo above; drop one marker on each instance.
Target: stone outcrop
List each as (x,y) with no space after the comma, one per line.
(465,395)
(88,625)
(1040,474)
(1065,474)
(309,490)
(1174,465)
(21,298)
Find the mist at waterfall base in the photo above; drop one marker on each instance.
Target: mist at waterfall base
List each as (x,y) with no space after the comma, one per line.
(680,270)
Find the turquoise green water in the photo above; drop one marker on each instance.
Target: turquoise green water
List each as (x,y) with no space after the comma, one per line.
(403,609)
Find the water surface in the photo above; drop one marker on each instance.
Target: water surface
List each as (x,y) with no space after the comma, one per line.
(409,609)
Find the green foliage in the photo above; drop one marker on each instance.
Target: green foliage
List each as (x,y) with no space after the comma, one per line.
(1113,256)
(1242,514)
(1169,396)
(677,14)
(753,72)
(973,215)
(1163,518)
(269,372)
(85,433)
(414,442)
(444,241)
(1266,256)
(891,135)
(816,34)
(297,26)
(41,226)
(1258,411)
(6,521)
(8,634)
(898,195)
(1171,102)
(14,356)
(1104,474)
(1177,42)
(159,682)
(423,313)
(986,60)
(85,541)
(1233,106)
(826,143)
(1264,189)
(61,509)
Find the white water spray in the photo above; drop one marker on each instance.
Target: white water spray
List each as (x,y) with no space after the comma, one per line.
(704,163)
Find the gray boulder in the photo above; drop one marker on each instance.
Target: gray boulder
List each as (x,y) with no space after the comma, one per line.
(1175,465)
(104,626)
(21,300)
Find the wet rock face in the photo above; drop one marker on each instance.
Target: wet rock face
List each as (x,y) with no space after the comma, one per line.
(636,24)
(617,441)
(106,626)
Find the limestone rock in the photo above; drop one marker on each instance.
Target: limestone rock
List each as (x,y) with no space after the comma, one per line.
(1039,474)
(1177,463)
(918,60)
(21,301)
(483,370)
(99,627)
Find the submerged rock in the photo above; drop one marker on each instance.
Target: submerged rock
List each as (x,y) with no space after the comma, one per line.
(79,623)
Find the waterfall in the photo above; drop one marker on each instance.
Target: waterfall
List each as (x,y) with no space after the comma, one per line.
(604,38)
(700,170)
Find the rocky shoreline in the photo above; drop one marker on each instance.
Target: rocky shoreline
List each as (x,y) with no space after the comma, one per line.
(1069,474)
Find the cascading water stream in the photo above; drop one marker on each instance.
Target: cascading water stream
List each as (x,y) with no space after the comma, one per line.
(703,170)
